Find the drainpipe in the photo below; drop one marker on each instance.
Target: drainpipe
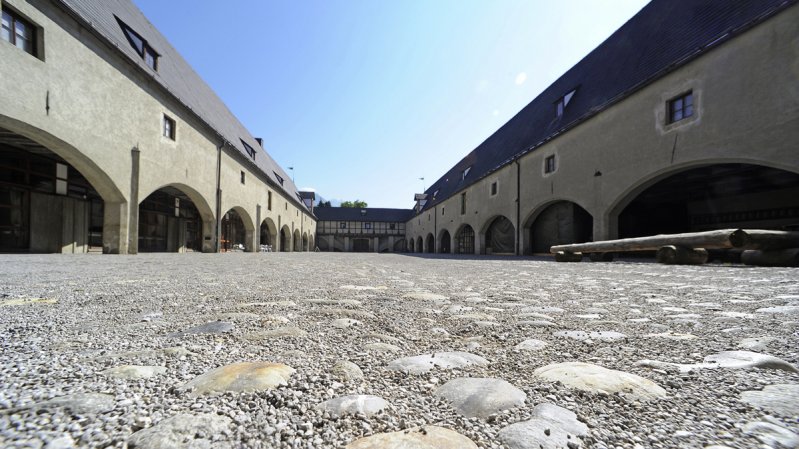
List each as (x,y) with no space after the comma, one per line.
(518,206)
(435,230)
(218,230)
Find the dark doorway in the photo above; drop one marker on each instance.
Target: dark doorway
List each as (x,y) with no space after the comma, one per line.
(169,222)
(560,223)
(715,197)
(233,233)
(500,237)
(445,243)
(431,244)
(360,245)
(465,240)
(46,205)
(285,241)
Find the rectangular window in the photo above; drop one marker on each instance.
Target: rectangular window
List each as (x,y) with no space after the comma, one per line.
(342,225)
(549,164)
(18,31)
(392,226)
(242,177)
(442,210)
(681,107)
(493,188)
(269,200)
(169,127)
(367,225)
(463,203)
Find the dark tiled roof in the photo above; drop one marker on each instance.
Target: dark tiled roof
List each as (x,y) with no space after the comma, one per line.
(354,214)
(175,75)
(662,36)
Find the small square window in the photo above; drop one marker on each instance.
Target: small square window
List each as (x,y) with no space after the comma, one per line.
(392,226)
(493,188)
(18,31)
(367,225)
(169,127)
(681,107)
(463,203)
(342,225)
(442,210)
(269,200)
(549,164)
(242,177)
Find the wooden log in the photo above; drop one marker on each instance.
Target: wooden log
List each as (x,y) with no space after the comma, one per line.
(563,256)
(725,238)
(679,255)
(776,258)
(770,240)
(601,257)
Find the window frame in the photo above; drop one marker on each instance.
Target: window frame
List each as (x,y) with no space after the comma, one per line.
(463,203)
(242,176)
(494,189)
(14,19)
(550,164)
(171,132)
(682,100)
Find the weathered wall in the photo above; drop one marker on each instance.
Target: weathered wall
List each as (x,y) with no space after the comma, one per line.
(746,100)
(101,108)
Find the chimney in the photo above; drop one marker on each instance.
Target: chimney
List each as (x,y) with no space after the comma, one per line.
(260,141)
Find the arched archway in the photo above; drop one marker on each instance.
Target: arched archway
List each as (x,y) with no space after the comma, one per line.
(285,239)
(464,240)
(410,245)
(445,242)
(706,197)
(556,223)
(419,245)
(237,230)
(297,241)
(500,236)
(175,218)
(54,198)
(269,233)
(305,241)
(430,244)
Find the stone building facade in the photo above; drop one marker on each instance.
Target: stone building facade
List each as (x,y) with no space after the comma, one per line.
(685,119)
(110,141)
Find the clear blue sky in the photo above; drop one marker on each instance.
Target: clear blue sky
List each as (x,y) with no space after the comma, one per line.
(363,97)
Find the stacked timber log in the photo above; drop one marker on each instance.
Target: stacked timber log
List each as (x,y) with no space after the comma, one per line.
(760,247)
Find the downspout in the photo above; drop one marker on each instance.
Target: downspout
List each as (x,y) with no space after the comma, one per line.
(435,229)
(518,205)
(218,230)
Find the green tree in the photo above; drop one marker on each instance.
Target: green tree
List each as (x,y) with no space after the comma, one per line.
(323,204)
(357,204)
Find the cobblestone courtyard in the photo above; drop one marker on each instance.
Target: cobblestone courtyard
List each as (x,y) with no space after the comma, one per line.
(104,351)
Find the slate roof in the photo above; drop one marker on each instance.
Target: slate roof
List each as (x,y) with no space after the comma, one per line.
(664,35)
(176,76)
(354,214)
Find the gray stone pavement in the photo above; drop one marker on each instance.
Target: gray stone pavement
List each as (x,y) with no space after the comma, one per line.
(249,350)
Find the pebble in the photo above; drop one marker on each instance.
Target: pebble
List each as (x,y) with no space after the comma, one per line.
(597,379)
(481,397)
(238,377)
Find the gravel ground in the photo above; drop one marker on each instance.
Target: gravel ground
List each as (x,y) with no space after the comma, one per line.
(66,319)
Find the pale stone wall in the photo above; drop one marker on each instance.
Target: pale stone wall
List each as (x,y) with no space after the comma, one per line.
(101,108)
(746,100)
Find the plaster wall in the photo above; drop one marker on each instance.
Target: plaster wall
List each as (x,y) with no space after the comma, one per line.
(746,101)
(93,108)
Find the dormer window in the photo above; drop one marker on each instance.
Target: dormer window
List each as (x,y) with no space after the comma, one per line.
(142,47)
(465,172)
(279,178)
(435,194)
(562,102)
(250,150)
